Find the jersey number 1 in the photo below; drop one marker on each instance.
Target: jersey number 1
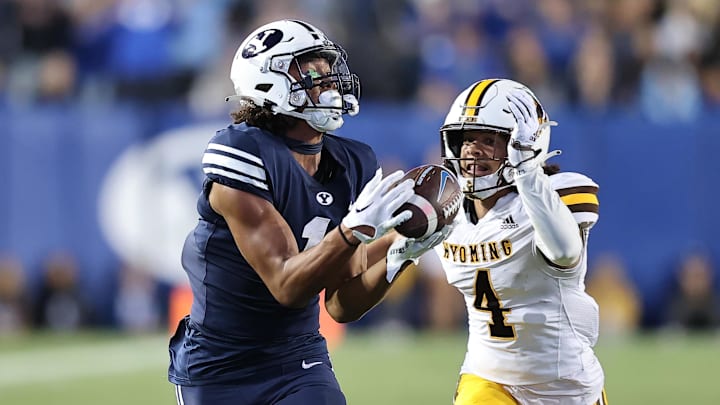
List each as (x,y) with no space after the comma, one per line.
(314,231)
(486,300)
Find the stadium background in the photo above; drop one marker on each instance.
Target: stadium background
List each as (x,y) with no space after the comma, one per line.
(105,107)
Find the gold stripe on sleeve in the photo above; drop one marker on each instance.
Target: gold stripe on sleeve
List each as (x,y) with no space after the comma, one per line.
(580,198)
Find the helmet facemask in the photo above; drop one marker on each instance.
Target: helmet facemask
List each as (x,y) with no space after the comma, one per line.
(476,186)
(340,91)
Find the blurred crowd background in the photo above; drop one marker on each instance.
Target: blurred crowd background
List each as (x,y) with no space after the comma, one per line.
(87,86)
(662,56)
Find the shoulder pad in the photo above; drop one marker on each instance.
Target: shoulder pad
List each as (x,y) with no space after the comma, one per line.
(579,193)
(233,158)
(357,155)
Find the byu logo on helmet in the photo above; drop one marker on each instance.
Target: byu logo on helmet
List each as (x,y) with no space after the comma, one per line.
(262,42)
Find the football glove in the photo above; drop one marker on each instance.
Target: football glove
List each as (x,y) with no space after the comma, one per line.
(408,250)
(523,153)
(372,214)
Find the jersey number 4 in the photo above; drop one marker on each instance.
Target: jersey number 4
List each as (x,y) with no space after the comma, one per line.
(486,300)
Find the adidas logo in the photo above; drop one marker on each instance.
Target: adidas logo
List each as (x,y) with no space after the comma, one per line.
(509,223)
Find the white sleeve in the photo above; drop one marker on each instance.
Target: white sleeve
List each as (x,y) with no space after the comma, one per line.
(580,194)
(557,234)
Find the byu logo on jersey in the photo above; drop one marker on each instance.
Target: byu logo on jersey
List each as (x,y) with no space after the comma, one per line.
(324,198)
(262,42)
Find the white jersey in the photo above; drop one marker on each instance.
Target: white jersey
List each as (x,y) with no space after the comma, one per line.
(529,322)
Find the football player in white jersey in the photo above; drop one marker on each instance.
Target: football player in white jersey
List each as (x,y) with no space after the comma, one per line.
(518,252)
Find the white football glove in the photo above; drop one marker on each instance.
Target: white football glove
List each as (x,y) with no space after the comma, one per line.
(408,250)
(523,154)
(371,215)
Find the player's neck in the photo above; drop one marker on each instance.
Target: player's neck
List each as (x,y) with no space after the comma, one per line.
(309,162)
(482,207)
(304,133)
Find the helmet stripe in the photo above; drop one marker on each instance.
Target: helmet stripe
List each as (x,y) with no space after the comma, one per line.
(474,97)
(307,27)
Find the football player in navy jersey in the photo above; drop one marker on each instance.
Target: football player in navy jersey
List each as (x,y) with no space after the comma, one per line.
(275,229)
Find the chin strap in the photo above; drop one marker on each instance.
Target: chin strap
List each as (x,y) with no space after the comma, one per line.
(329,116)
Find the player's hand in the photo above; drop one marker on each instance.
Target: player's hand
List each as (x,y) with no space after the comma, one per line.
(408,250)
(371,215)
(523,152)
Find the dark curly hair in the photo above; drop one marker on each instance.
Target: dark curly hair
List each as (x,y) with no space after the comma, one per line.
(551,169)
(262,117)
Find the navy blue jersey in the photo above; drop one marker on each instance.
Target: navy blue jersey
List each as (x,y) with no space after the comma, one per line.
(236,325)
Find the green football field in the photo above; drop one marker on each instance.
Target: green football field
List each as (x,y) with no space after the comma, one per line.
(375,369)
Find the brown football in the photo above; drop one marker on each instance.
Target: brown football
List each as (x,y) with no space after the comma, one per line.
(436,201)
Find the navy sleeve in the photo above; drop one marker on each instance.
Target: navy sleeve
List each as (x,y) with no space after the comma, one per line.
(232,158)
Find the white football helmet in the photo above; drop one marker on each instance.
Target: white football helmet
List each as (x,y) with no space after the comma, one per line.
(260,73)
(484,106)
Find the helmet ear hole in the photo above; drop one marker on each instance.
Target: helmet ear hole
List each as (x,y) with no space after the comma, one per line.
(263,87)
(298,98)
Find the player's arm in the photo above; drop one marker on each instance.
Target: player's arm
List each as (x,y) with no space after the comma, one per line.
(350,300)
(266,241)
(557,235)
(388,256)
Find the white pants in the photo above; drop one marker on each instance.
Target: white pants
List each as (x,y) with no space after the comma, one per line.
(583,388)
